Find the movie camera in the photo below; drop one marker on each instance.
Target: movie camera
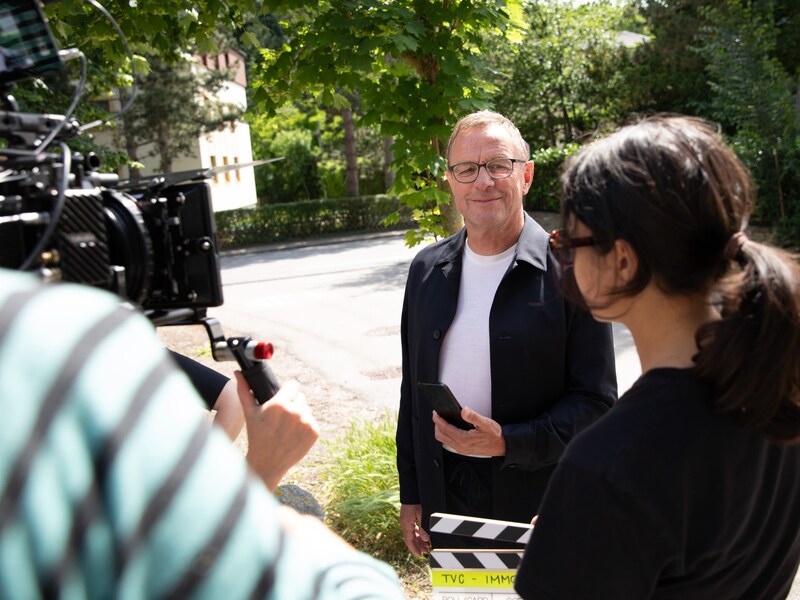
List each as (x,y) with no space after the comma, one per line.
(152,240)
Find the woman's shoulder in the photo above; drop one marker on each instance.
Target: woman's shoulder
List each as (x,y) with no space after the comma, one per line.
(659,415)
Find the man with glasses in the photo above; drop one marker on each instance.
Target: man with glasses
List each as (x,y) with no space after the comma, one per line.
(483,314)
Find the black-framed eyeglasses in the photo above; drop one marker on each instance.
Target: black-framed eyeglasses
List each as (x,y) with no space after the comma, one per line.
(559,240)
(497,168)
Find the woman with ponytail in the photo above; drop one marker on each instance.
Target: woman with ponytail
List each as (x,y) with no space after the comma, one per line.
(690,486)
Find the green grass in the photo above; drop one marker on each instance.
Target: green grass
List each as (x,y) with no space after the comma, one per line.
(363,494)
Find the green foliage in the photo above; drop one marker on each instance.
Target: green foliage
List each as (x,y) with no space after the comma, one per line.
(315,137)
(261,30)
(754,98)
(416,65)
(363,491)
(787,232)
(306,219)
(332,174)
(370,160)
(564,79)
(288,134)
(165,28)
(295,177)
(410,68)
(668,75)
(545,193)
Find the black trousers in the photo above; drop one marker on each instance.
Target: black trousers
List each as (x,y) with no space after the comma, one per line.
(468,492)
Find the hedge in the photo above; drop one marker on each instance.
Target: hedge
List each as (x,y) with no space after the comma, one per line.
(307,219)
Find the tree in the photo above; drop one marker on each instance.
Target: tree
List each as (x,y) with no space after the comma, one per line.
(351,177)
(416,65)
(165,28)
(564,81)
(754,97)
(669,75)
(258,31)
(162,29)
(290,135)
(175,106)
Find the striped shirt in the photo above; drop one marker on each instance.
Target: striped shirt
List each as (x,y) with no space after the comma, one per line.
(112,482)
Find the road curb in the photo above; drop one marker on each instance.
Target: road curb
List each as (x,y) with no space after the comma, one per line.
(311,242)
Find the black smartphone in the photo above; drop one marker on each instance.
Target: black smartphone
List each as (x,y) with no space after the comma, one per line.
(444,403)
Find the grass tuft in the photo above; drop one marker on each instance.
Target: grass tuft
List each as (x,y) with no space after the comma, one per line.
(363,494)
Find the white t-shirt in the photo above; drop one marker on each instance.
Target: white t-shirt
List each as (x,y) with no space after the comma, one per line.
(464,363)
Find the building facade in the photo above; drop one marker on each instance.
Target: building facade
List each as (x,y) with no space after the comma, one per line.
(235,188)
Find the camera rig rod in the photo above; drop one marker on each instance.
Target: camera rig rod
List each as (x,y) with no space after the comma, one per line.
(252,356)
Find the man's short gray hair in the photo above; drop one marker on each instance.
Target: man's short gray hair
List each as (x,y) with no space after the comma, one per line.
(485,118)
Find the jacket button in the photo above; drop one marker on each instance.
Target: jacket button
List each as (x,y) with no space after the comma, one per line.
(437,334)
(436,463)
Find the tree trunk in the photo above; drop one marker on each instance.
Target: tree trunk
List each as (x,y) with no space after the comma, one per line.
(164,150)
(453,221)
(551,120)
(351,176)
(778,177)
(568,130)
(388,159)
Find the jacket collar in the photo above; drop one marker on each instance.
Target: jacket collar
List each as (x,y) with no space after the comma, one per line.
(532,246)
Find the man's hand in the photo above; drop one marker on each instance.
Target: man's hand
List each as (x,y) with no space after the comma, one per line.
(416,538)
(485,440)
(279,432)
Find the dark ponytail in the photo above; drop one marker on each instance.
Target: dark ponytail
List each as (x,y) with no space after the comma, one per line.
(751,358)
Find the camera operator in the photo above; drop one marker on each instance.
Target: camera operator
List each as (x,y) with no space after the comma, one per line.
(112,483)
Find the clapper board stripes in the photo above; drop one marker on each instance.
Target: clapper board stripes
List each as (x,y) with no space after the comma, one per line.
(455,560)
(487,529)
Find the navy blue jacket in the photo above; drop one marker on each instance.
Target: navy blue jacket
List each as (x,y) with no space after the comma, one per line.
(552,368)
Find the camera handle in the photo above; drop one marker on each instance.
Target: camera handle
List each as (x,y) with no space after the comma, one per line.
(252,356)
(256,370)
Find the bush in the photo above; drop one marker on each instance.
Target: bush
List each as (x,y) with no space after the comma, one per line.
(545,193)
(363,493)
(294,178)
(787,233)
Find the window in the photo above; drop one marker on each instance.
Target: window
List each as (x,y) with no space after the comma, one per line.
(213,165)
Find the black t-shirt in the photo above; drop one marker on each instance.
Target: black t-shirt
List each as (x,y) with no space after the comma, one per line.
(207,381)
(662,498)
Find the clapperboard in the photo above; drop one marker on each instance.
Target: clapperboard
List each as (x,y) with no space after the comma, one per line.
(476,574)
